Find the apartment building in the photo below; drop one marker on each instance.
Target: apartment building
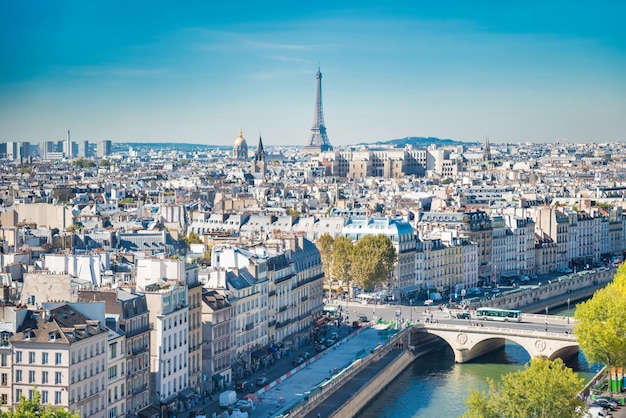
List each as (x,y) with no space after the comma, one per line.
(217,342)
(128,313)
(64,354)
(168,317)
(116,373)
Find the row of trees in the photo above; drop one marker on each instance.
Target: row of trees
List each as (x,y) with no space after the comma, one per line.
(367,263)
(33,408)
(549,389)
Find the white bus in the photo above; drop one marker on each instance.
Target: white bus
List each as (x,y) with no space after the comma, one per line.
(495,314)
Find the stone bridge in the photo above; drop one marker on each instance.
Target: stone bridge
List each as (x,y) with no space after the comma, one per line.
(469,342)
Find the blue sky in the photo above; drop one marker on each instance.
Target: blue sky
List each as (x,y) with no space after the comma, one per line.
(155,71)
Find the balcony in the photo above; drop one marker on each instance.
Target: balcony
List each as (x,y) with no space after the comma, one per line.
(304,298)
(272,293)
(139,349)
(272,323)
(139,389)
(249,326)
(282,309)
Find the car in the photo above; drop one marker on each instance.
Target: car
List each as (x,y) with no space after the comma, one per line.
(320,347)
(605,403)
(298,361)
(262,381)
(334,336)
(363,318)
(463,315)
(306,355)
(242,386)
(495,290)
(428,302)
(329,342)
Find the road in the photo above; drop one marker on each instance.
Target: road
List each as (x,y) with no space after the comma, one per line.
(530,322)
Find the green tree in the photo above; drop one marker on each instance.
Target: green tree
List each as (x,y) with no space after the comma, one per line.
(374,257)
(601,324)
(544,389)
(32,408)
(192,238)
(341,267)
(325,246)
(447,180)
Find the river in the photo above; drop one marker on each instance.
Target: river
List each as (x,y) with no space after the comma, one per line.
(435,386)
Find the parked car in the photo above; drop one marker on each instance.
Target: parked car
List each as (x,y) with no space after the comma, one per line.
(428,302)
(329,342)
(243,386)
(605,403)
(298,361)
(463,315)
(262,381)
(363,318)
(320,347)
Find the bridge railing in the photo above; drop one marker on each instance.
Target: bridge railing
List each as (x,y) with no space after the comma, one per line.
(484,328)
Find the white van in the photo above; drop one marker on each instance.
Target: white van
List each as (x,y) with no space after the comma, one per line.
(228,398)
(597,412)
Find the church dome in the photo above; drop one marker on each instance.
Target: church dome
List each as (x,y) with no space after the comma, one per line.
(240,148)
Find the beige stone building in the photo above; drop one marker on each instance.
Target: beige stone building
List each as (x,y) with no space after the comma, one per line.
(64,354)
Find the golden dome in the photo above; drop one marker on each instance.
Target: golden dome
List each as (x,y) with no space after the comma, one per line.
(239,141)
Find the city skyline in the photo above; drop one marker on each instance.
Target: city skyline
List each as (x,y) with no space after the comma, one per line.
(150,72)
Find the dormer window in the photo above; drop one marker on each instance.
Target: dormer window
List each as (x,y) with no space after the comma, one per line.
(28,333)
(53,336)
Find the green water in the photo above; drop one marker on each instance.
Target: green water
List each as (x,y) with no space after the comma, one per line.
(437,387)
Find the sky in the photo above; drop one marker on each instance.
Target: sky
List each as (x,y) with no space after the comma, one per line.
(199,71)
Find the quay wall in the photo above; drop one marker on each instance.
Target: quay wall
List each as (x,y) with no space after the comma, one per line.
(552,293)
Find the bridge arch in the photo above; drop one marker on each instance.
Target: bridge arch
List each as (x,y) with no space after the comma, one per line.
(471,342)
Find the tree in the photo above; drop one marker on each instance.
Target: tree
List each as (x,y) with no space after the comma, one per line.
(325,246)
(341,267)
(601,324)
(32,408)
(544,389)
(374,257)
(192,238)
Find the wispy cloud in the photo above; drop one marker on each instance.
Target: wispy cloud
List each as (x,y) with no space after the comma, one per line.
(117,72)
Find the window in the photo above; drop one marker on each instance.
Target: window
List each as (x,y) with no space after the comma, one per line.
(57,397)
(44,396)
(58,358)
(112,372)
(44,377)
(18,356)
(113,350)
(18,393)
(30,394)
(31,376)
(57,378)
(4,360)
(5,379)
(31,357)
(18,375)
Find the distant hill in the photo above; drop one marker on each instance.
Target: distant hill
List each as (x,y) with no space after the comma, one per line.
(422,142)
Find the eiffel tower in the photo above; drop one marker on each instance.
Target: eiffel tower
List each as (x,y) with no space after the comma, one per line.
(318,140)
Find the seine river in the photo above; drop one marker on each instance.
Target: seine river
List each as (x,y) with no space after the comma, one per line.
(437,387)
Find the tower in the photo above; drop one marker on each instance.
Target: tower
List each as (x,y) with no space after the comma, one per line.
(259,158)
(486,150)
(68,146)
(318,140)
